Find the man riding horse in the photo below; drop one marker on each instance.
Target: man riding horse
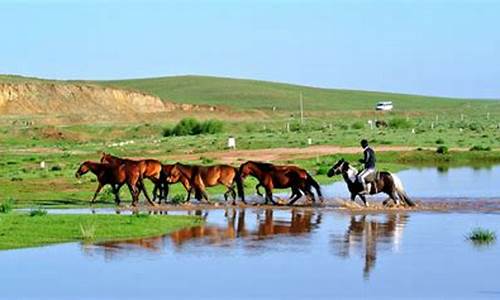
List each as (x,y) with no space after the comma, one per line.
(368,162)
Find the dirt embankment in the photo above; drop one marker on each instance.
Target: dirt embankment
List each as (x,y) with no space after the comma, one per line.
(56,99)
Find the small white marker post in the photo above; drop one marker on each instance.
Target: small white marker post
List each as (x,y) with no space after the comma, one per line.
(42,165)
(432,125)
(309,141)
(370,122)
(231,143)
(413,131)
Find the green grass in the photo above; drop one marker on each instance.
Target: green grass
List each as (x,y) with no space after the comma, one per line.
(481,236)
(21,230)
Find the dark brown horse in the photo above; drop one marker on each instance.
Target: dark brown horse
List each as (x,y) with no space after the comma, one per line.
(201,177)
(147,168)
(272,176)
(114,176)
(167,178)
(384,182)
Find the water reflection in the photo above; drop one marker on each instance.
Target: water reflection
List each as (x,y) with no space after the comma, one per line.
(263,225)
(252,230)
(368,234)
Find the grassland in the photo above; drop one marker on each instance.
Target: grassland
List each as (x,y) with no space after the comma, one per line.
(22,230)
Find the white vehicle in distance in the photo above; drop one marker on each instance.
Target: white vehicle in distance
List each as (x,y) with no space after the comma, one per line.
(384,105)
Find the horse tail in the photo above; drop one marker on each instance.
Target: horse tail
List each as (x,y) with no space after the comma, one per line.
(400,190)
(314,183)
(239,185)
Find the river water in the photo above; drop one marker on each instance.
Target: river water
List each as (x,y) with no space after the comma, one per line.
(283,253)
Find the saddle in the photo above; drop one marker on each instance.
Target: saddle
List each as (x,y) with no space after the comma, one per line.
(373,177)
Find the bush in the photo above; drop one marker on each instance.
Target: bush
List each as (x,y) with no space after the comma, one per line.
(56,168)
(178,199)
(37,212)
(357,125)
(439,141)
(191,126)
(400,123)
(206,160)
(322,170)
(480,148)
(442,150)
(6,206)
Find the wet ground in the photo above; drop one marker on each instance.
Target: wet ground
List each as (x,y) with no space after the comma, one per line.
(291,253)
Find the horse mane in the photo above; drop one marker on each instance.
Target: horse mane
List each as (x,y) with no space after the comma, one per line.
(266,167)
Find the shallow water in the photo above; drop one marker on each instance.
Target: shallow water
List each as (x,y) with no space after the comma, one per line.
(461,182)
(256,253)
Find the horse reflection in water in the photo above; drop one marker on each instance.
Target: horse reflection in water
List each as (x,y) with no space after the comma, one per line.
(366,234)
(301,221)
(234,227)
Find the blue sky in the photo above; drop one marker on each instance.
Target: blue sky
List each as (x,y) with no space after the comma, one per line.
(447,48)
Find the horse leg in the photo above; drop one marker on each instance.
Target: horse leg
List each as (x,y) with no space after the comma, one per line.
(257,189)
(353,197)
(142,188)
(99,187)
(364,199)
(116,192)
(133,194)
(296,194)
(394,197)
(269,196)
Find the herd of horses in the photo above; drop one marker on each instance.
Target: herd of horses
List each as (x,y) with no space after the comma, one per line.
(116,172)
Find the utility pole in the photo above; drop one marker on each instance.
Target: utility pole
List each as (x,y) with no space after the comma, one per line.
(301,109)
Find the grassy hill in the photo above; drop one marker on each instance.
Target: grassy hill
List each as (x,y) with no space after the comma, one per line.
(245,94)
(252,94)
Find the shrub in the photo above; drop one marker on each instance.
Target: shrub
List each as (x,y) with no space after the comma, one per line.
(37,212)
(6,206)
(56,168)
(191,126)
(322,170)
(442,150)
(399,123)
(206,160)
(481,236)
(475,127)
(440,141)
(178,199)
(480,148)
(357,125)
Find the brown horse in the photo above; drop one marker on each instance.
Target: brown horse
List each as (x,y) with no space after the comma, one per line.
(384,182)
(207,176)
(147,168)
(166,178)
(114,176)
(271,176)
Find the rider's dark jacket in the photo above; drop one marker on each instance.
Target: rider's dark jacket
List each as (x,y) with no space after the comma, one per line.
(369,159)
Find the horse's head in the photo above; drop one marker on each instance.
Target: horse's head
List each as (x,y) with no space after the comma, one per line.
(338,168)
(172,172)
(245,169)
(83,169)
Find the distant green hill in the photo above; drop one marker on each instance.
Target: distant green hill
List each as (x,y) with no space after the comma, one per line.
(245,94)
(253,94)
